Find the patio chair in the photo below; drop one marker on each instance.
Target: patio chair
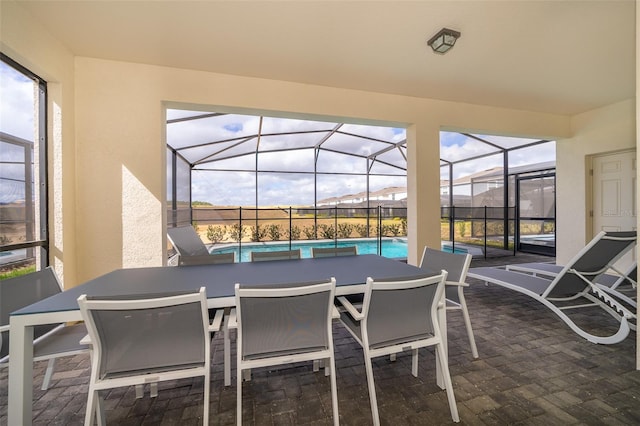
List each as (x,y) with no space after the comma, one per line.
(208,259)
(282,325)
(144,339)
(261,256)
(186,242)
(551,270)
(50,341)
(334,251)
(456,266)
(576,281)
(397,316)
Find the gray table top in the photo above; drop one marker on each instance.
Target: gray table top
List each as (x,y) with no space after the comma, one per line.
(220,279)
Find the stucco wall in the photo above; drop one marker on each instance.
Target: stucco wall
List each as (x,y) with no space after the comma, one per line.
(28,43)
(603,130)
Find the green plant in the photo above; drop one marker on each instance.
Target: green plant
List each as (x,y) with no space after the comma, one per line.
(293,233)
(394,229)
(215,234)
(237,232)
(345,230)
(327,231)
(362,230)
(17,272)
(275,232)
(462,228)
(403,224)
(258,233)
(310,232)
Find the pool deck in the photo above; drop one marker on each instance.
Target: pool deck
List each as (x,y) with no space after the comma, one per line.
(532,370)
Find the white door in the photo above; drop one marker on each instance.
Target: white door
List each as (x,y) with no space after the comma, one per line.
(614,194)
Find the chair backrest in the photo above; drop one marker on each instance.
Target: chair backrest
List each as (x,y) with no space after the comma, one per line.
(400,311)
(334,251)
(18,292)
(593,260)
(208,259)
(284,320)
(138,334)
(456,265)
(260,256)
(186,242)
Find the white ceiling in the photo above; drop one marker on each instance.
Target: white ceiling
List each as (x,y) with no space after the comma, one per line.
(557,56)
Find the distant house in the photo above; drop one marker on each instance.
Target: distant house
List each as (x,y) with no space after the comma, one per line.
(395,196)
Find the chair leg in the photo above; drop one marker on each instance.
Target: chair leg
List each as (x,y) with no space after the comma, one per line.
(94,408)
(414,362)
(100,411)
(467,322)
(139,391)
(239,397)
(154,389)
(334,390)
(393,357)
(444,367)
(227,352)
(47,375)
(372,390)
(207,390)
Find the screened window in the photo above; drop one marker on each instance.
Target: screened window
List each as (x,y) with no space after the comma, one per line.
(23,214)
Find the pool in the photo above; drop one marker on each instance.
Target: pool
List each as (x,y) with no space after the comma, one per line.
(391,247)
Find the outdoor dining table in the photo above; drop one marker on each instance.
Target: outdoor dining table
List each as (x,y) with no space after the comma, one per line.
(350,273)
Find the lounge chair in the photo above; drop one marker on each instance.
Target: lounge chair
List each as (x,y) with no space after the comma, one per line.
(576,281)
(186,242)
(550,270)
(624,284)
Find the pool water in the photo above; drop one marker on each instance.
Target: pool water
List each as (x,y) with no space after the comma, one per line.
(392,247)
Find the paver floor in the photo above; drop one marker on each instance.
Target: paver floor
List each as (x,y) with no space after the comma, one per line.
(532,370)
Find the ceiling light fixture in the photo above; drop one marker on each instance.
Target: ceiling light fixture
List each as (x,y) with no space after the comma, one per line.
(443,40)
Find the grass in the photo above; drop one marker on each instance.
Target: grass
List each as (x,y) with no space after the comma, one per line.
(17,272)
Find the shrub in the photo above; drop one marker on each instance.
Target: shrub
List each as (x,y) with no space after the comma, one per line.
(394,229)
(345,230)
(310,232)
(258,233)
(362,230)
(275,232)
(293,233)
(237,232)
(327,231)
(215,234)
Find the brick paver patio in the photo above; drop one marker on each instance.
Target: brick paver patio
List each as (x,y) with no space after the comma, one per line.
(532,370)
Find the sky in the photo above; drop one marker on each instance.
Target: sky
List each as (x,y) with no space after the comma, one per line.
(16,118)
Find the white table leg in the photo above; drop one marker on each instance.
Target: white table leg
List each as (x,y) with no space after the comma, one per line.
(20,372)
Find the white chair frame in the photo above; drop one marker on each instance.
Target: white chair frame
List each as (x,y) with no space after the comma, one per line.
(457,281)
(62,340)
(94,401)
(413,345)
(244,365)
